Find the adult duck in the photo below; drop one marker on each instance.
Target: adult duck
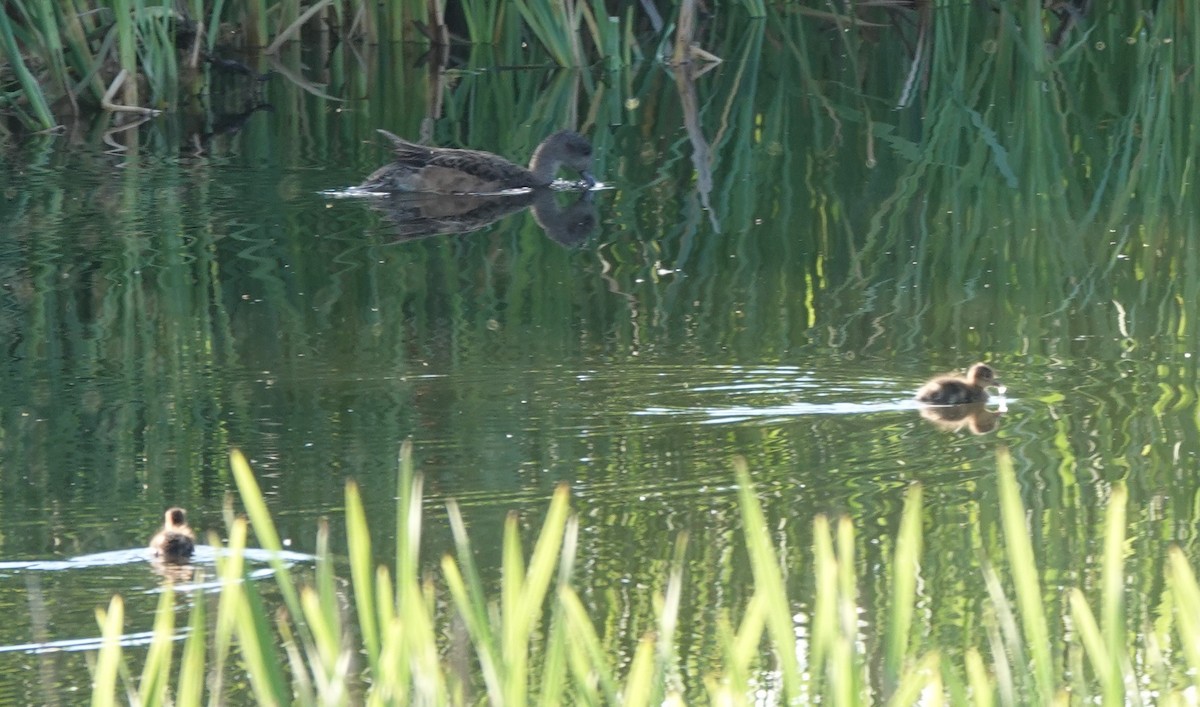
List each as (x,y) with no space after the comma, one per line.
(175,542)
(443,170)
(956,390)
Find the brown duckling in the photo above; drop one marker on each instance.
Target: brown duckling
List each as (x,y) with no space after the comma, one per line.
(954,390)
(442,170)
(175,542)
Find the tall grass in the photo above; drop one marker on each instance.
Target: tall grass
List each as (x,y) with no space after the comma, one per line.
(533,641)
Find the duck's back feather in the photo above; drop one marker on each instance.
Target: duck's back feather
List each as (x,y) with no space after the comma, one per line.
(446,170)
(951,391)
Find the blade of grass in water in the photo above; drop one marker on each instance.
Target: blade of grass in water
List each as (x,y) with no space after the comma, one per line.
(358,544)
(191,665)
(1186,594)
(905,569)
(229,571)
(1025,578)
(768,580)
(977,677)
(156,675)
(29,85)
(264,527)
(1112,576)
(104,681)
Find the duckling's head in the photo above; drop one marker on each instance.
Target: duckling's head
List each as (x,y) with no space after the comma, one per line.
(567,149)
(175,518)
(982,375)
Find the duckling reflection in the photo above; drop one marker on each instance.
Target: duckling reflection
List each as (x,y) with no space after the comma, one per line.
(416,216)
(974,417)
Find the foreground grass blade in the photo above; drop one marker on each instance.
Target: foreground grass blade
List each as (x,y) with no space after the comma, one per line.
(156,675)
(108,662)
(358,545)
(191,666)
(768,581)
(905,569)
(264,528)
(1025,578)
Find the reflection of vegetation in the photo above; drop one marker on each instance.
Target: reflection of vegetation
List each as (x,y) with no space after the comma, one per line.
(442,639)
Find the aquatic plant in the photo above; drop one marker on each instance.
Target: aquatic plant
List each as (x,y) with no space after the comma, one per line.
(534,640)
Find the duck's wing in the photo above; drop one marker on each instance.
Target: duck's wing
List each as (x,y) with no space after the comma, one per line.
(405,150)
(484,166)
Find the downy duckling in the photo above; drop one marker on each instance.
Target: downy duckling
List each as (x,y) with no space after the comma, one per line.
(175,542)
(955,390)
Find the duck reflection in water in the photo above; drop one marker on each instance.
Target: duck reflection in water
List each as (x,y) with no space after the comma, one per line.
(414,216)
(971,416)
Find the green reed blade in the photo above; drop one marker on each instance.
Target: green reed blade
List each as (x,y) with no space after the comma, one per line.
(104,680)
(546,552)
(256,646)
(824,612)
(156,673)
(769,581)
(1025,578)
(1186,594)
(358,546)
(29,85)
(1004,637)
(326,639)
(589,664)
(472,604)
(906,567)
(1084,623)
(554,661)
(982,689)
(1113,598)
(264,527)
(408,517)
(643,679)
(922,679)
(473,611)
(127,46)
(327,595)
(512,613)
(229,571)
(742,651)
(302,686)
(191,666)
(851,672)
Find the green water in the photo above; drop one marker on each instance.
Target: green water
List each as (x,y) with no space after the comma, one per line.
(781,301)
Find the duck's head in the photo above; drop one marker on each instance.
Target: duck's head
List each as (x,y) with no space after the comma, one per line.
(568,149)
(982,375)
(175,518)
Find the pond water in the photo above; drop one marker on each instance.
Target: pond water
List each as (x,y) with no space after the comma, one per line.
(768,274)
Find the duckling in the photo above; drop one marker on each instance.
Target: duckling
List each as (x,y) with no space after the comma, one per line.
(442,170)
(953,390)
(175,542)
